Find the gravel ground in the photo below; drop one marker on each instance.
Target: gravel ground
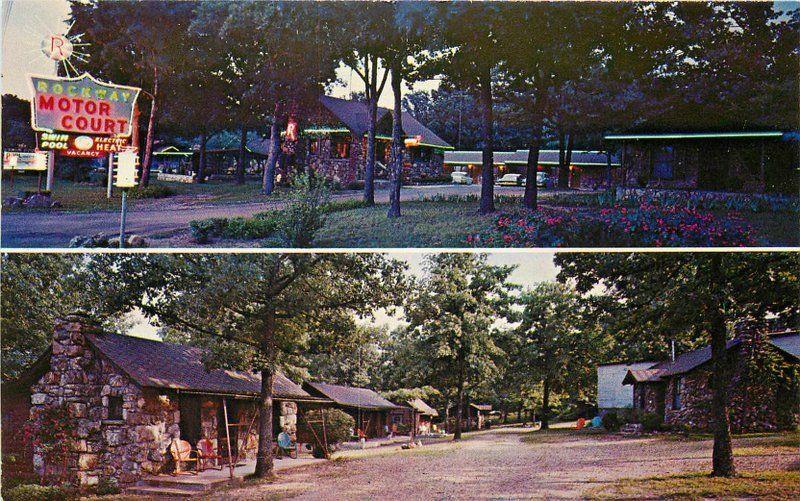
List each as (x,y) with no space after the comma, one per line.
(497,464)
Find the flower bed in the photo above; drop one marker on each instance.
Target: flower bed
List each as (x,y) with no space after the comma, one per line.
(648,225)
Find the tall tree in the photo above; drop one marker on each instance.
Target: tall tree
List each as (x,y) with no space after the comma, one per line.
(692,294)
(124,47)
(257,312)
(549,345)
(451,318)
(469,58)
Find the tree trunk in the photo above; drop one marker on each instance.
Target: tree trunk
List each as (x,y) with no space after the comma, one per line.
(151,125)
(268,176)
(531,190)
(723,465)
(546,404)
(264,466)
(563,170)
(487,135)
(201,164)
(568,156)
(242,157)
(459,402)
(369,170)
(396,166)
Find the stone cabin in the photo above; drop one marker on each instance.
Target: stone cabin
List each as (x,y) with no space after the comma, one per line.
(127,398)
(413,417)
(337,143)
(369,410)
(754,162)
(680,391)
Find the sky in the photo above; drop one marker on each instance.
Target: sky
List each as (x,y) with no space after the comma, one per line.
(531,267)
(30,21)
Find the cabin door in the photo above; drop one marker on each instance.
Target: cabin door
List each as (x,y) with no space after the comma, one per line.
(189,407)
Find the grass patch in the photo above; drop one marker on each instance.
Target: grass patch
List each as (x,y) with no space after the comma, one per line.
(423,224)
(765,484)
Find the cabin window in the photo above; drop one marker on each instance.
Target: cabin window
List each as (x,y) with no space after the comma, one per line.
(340,147)
(664,162)
(115,408)
(677,389)
(397,419)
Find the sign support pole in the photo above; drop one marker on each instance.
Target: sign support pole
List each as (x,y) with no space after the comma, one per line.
(110,175)
(51,170)
(122,218)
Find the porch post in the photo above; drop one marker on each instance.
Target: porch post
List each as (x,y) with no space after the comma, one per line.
(231,466)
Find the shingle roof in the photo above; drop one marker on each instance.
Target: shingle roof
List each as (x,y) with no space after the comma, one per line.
(420,406)
(788,342)
(546,157)
(355,115)
(156,364)
(362,398)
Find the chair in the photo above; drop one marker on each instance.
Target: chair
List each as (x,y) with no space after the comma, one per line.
(182,452)
(206,454)
(285,444)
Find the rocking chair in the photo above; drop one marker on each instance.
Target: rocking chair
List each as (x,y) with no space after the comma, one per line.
(182,452)
(207,454)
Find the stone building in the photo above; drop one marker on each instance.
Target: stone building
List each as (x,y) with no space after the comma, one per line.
(128,398)
(756,162)
(680,390)
(337,143)
(369,410)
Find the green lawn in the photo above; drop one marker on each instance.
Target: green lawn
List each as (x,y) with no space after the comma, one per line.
(84,197)
(423,224)
(762,484)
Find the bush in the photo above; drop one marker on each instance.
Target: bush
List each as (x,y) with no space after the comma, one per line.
(152,191)
(34,492)
(651,421)
(99,177)
(611,422)
(343,205)
(304,214)
(339,426)
(354,185)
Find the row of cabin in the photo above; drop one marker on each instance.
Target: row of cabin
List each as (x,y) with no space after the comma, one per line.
(679,390)
(128,398)
(746,161)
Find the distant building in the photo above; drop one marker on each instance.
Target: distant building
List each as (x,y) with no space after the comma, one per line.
(587,169)
(755,161)
(413,417)
(369,410)
(612,394)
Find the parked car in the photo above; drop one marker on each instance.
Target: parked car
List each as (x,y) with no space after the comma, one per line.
(460,178)
(542,179)
(511,180)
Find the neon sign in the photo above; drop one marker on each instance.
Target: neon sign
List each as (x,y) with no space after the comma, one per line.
(57,47)
(82,105)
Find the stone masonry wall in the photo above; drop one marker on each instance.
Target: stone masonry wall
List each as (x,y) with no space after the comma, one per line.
(119,450)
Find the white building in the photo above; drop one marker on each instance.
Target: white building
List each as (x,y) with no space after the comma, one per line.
(611,393)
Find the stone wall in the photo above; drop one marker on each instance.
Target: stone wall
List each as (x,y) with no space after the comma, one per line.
(648,397)
(420,170)
(121,450)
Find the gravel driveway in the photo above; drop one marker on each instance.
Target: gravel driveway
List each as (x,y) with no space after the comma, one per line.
(497,464)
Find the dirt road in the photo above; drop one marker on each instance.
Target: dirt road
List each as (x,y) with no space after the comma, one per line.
(498,464)
(160,217)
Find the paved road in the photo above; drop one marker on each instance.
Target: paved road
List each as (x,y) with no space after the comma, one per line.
(499,465)
(154,217)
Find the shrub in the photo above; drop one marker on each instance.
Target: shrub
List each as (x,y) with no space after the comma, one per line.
(304,213)
(34,492)
(651,421)
(611,422)
(339,426)
(354,185)
(153,191)
(203,229)
(343,205)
